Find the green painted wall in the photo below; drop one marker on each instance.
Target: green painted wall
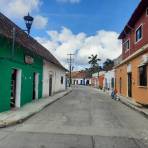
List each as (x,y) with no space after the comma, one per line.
(7,63)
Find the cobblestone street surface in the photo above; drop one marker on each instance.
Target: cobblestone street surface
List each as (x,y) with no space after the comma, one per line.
(85,118)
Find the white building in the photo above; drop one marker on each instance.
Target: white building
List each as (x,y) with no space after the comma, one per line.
(81,81)
(109,80)
(95,79)
(54,78)
(80,78)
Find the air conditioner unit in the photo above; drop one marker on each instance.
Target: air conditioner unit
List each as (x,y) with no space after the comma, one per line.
(145,59)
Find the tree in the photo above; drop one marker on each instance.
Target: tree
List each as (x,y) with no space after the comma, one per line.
(108,65)
(93,61)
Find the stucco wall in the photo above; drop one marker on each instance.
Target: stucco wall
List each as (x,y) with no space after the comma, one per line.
(95,81)
(108,79)
(8,63)
(84,81)
(139,93)
(57,73)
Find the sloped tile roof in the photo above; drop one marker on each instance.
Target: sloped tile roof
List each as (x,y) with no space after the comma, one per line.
(6,27)
(78,74)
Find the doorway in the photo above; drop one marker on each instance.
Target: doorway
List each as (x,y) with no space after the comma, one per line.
(87,82)
(129,84)
(120,85)
(35,86)
(50,85)
(15,88)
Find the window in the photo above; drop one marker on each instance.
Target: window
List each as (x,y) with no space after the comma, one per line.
(143,75)
(126,45)
(139,34)
(62,80)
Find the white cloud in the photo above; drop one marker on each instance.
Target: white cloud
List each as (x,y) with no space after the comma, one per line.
(18,8)
(69,1)
(40,22)
(104,43)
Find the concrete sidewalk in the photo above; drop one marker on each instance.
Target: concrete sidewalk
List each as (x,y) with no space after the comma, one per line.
(17,116)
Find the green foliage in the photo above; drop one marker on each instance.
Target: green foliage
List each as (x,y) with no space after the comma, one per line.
(94,66)
(108,65)
(93,61)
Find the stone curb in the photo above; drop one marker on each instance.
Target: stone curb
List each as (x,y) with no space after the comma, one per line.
(134,107)
(7,122)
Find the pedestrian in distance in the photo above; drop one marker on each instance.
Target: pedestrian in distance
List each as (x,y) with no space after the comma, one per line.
(114,94)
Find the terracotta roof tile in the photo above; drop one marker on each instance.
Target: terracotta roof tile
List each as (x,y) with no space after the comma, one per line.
(79,74)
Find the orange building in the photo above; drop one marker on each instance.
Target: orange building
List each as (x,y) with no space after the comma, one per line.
(132,72)
(101,79)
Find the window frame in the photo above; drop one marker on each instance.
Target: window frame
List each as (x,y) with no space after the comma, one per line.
(139,78)
(127,49)
(140,26)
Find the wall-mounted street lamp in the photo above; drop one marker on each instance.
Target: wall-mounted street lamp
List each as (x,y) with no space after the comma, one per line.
(28,21)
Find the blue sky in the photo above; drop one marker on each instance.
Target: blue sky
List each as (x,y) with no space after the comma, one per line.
(89,15)
(83,27)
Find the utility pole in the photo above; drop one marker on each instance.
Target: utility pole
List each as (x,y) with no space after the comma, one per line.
(70,60)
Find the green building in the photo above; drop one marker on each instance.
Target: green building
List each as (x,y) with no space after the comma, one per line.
(21,66)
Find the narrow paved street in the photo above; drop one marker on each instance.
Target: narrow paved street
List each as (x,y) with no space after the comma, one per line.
(86,118)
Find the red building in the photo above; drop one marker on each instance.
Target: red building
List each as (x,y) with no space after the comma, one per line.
(138,24)
(132,72)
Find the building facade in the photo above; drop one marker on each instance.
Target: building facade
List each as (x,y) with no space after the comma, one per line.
(54,79)
(132,72)
(95,80)
(80,78)
(109,80)
(101,79)
(20,82)
(22,67)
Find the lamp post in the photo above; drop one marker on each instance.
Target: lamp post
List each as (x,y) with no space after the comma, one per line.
(28,21)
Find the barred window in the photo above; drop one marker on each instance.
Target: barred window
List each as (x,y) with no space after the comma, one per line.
(143,75)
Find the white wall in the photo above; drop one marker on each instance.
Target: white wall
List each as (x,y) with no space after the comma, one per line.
(108,79)
(57,73)
(79,81)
